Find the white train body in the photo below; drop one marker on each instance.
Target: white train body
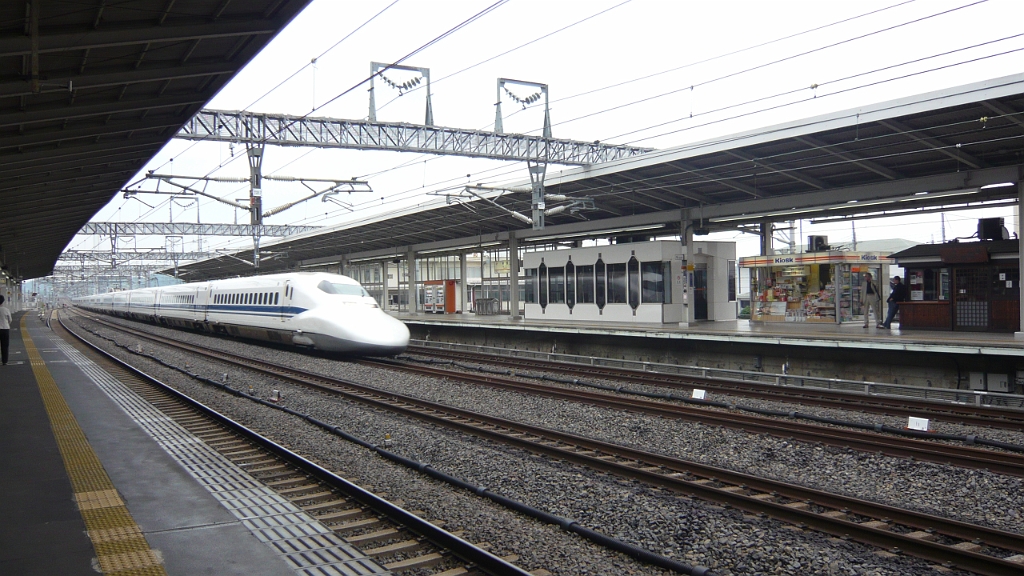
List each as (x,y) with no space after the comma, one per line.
(327,312)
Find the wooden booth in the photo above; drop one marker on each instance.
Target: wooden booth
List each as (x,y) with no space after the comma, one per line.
(970,286)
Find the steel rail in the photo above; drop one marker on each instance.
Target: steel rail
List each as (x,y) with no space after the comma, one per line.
(466,551)
(1002,462)
(672,473)
(890,405)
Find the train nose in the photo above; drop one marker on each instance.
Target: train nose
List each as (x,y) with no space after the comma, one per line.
(371,331)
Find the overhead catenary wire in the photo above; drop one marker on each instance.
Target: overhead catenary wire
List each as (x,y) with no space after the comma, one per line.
(706,60)
(790,57)
(725,139)
(297,72)
(511,50)
(419,188)
(725,55)
(733,74)
(425,46)
(430,43)
(771,63)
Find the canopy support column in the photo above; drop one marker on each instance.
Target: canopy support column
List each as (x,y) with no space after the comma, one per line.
(513,275)
(414,302)
(1019,334)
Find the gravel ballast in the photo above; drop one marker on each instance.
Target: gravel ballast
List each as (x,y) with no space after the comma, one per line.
(691,531)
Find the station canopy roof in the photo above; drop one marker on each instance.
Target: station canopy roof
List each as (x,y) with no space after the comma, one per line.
(90,92)
(940,150)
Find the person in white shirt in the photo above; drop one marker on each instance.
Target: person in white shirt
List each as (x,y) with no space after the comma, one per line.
(871,298)
(5,330)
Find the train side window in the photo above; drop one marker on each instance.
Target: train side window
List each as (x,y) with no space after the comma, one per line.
(276,294)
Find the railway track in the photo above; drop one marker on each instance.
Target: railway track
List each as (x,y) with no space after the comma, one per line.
(1002,462)
(889,405)
(968,546)
(398,540)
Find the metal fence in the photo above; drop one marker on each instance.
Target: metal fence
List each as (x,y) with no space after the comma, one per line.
(486,306)
(945,395)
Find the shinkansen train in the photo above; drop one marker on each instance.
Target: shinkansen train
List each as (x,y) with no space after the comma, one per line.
(312,310)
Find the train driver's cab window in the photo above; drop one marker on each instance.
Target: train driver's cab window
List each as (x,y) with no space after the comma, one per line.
(343,289)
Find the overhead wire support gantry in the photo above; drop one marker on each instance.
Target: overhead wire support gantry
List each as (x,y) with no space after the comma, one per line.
(284,130)
(188,229)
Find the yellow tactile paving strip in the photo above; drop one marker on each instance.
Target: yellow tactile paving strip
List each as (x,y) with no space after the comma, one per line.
(121,548)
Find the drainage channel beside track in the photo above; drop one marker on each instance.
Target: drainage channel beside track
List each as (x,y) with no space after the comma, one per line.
(783,388)
(967,546)
(399,540)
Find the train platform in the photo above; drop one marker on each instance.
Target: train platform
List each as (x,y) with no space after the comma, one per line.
(96,480)
(852,336)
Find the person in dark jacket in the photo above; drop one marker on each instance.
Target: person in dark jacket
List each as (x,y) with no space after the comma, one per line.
(5,330)
(896,295)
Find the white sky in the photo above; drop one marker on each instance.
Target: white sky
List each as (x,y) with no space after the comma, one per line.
(629,40)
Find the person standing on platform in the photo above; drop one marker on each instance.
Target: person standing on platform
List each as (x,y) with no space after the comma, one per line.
(896,295)
(871,297)
(5,330)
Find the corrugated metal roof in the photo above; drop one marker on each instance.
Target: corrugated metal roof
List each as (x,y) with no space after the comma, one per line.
(91,91)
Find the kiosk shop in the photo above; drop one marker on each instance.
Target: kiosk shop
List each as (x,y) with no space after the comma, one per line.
(813,287)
